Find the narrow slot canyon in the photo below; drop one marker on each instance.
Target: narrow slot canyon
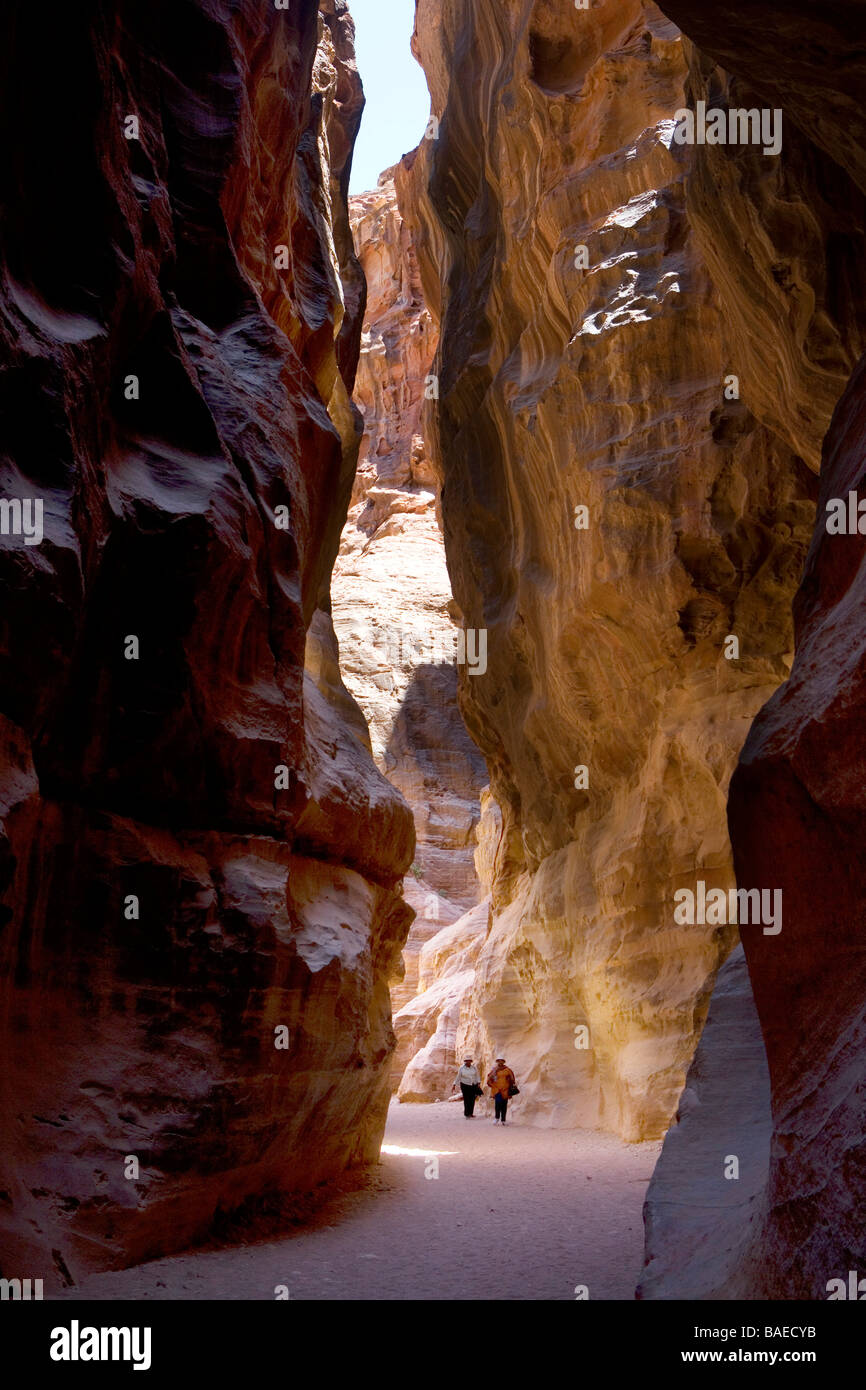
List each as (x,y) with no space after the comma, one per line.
(441,640)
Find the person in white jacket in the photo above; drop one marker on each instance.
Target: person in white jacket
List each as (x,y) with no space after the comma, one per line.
(468,1080)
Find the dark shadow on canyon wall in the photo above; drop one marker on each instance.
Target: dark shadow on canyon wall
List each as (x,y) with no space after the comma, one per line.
(200,864)
(793,293)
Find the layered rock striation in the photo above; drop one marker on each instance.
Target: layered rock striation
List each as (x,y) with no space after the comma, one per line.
(200,865)
(436,1025)
(792,291)
(614,515)
(393,612)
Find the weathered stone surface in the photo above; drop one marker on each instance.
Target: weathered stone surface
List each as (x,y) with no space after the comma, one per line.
(391,594)
(488,835)
(166,904)
(601,388)
(807,59)
(701,1214)
(796,817)
(432,912)
(795,813)
(797,824)
(783,238)
(434,1019)
(431,1027)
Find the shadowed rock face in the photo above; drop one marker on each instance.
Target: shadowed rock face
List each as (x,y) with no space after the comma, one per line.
(723,1119)
(604,388)
(808,59)
(784,241)
(796,801)
(170,380)
(798,821)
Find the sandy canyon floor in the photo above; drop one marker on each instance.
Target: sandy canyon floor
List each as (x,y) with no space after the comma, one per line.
(515,1213)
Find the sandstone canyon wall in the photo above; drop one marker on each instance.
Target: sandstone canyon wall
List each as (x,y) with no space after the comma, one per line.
(197,849)
(396,623)
(391,596)
(794,300)
(434,1026)
(583,364)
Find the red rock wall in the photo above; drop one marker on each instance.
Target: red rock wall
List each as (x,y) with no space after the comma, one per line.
(797,812)
(798,823)
(147,1028)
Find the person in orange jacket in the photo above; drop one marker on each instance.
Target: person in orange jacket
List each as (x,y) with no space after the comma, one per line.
(500,1080)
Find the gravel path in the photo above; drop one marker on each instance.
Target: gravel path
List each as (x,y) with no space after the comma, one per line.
(515,1213)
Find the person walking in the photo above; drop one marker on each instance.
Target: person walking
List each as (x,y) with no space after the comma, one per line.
(469,1082)
(502,1085)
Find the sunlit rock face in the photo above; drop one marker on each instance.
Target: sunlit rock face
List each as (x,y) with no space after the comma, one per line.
(391,596)
(796,808)
(430,1027)
(197,850)
(604,388)
(436,1025)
